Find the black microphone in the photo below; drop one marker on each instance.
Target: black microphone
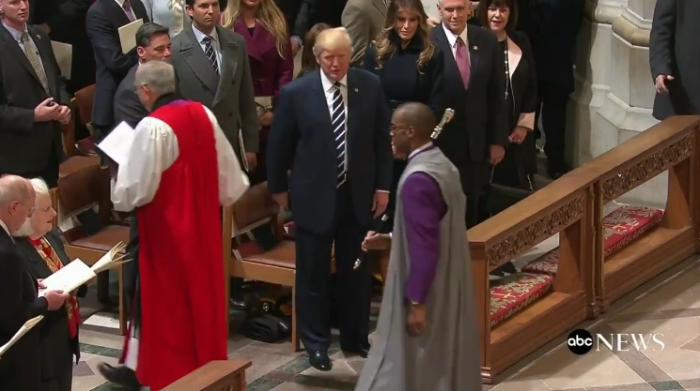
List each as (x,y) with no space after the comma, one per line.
(381,227)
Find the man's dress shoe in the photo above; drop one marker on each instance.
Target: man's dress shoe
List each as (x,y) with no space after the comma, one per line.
(361,349)
(320,361)
(119,375)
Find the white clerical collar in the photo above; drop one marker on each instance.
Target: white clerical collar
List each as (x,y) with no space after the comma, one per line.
(452,38)
(421,149)
(328,84)
(4,226)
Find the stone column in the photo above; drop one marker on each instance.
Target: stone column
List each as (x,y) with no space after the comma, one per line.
(615,92)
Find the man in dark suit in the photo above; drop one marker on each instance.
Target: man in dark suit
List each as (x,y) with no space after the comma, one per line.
(104,18)
(331,128)
(20,367)
(152,43)
(298,14)
(33,98)
(674,58)
(553,39)
(476,137)
(212,68)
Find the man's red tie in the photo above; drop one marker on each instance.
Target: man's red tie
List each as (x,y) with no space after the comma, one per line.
(462,59)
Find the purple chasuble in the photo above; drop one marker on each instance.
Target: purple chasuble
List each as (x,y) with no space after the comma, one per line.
(423,209)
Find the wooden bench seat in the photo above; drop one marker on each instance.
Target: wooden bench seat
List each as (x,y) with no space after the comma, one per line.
(515,292)
(621,227)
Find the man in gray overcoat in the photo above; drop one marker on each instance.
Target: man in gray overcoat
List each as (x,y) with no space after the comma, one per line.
(427,337)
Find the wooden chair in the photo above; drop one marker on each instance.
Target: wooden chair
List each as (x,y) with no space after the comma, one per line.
(85,189)
(84,101)
(277,266)
(68,131)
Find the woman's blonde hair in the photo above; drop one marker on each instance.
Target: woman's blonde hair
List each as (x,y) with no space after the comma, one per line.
(269,16)
(385,46)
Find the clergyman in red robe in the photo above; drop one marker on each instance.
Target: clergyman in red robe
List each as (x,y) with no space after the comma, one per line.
(179,170)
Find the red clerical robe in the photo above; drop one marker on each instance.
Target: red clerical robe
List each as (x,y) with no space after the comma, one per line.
(182,285)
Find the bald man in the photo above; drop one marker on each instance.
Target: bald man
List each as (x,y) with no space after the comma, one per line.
(428,304)
(20,367)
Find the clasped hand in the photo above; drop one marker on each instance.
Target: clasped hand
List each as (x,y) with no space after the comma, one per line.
(49,110)
(54,298)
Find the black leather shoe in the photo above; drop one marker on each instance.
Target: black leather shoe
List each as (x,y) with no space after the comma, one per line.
(361,349)
(119,375)
(320,361)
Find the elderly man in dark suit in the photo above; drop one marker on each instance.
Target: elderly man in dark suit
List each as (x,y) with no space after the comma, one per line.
(32,98)
(674,57)
(20,367)
(331,128)
(212,68)
(476,137)
(152,43)
(104,18)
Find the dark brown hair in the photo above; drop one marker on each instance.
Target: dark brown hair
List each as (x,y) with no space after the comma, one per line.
(308,60)
(482,12)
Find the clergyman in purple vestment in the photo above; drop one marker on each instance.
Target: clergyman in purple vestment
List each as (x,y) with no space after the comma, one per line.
(427,337)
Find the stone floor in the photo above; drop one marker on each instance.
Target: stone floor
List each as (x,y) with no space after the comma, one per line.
(670,304)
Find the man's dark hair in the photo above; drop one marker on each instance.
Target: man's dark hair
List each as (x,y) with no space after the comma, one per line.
(147,32)
(482,12)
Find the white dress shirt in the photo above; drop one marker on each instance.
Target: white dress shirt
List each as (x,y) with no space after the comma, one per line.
(154,150)
(214,43)
(452,39)
(329,89)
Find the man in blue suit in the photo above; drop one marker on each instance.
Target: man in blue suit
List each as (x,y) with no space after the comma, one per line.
(331,129)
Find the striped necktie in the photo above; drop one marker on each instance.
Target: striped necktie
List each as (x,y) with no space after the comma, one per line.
(211,54)
(338,124)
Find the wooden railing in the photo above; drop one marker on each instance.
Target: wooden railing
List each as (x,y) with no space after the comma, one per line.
(572,206)
(214,376)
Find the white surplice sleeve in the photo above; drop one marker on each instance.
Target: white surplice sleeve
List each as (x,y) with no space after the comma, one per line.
(233,182)
(154,150)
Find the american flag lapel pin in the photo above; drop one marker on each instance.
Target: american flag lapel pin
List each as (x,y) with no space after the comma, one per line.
(356,90)
(475,48)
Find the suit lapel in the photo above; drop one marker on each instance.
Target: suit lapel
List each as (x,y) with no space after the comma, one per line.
(36,265)
(474,54)
(197,61)
(451,69)
(354,99)
(380,5)
(16,51)
(139,11)
(251,41)
(229,54)
(115,9)
(319,97)
(515,54)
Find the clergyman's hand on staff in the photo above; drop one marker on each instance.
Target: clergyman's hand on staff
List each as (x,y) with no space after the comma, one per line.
(416,322)
(496,154)
(376,241)
(518,135)
(381,200)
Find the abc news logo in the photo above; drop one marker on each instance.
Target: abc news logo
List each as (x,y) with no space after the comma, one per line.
(581,342)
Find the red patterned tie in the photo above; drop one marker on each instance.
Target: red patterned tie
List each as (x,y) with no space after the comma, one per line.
(463,61)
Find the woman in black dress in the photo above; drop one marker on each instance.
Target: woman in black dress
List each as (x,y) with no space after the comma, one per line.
(43,251)
(517,169)
(409,66)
